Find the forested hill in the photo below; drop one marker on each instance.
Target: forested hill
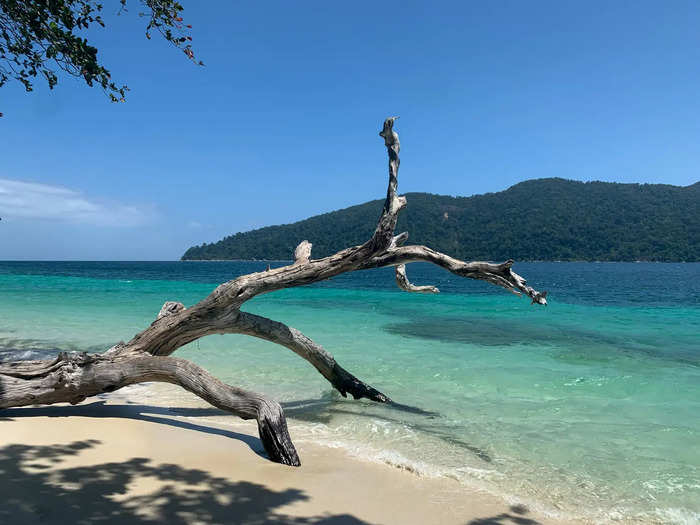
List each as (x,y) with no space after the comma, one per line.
(542,219)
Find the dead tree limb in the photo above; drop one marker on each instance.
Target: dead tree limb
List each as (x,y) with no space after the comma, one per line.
(74,377)
(405,284)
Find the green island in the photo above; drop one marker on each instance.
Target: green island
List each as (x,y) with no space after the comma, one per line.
(542,219)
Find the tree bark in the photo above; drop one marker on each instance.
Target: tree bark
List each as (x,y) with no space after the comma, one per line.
(74,377)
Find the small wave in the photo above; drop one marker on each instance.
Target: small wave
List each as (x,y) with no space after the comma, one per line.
(15,354)
(675,516)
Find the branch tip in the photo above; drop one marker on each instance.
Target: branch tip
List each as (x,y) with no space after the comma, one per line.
(539,298)
(272,428)
(388,134)
(345,383)
(302,253)
(170,308)
(399,239)
(405,284)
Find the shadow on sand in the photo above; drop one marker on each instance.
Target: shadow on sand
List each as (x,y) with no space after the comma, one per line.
(36,490)
(516,516)
(99,409)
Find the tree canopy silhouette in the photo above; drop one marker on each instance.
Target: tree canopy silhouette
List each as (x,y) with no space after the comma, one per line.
(40,38)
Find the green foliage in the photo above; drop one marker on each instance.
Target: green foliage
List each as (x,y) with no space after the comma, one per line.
(544,219)
(40,36)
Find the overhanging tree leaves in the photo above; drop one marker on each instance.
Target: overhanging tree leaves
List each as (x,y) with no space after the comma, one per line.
(39,38)
(74,377)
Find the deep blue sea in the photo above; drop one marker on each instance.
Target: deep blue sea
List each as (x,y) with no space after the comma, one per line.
(589,407)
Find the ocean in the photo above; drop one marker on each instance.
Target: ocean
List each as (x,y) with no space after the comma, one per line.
(588,408)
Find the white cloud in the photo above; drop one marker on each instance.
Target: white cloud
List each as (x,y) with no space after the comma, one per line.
(28,200)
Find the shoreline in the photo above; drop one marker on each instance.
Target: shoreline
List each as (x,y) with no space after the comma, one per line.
(147,462)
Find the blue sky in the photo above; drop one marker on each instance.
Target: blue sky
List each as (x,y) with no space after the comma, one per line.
(282,122)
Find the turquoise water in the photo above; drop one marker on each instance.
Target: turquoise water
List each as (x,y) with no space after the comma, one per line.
(589,407)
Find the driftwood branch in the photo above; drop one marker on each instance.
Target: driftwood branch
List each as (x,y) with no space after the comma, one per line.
(74,377)
(280,333)
(405,284)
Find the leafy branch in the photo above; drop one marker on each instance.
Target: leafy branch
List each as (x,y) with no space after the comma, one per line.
(42,37)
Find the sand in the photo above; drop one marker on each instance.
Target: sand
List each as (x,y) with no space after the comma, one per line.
(111,461)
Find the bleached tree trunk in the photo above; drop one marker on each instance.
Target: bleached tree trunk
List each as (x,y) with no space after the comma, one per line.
(73,377)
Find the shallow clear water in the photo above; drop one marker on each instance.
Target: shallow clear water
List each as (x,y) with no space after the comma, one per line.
(589,407)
